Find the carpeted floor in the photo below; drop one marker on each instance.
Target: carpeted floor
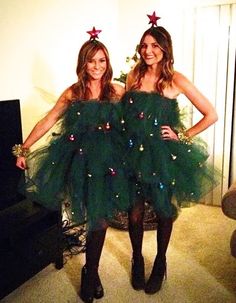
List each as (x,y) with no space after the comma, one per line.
(200,267)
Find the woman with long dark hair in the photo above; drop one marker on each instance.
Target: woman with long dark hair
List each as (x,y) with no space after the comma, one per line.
(82,163)
(165,159)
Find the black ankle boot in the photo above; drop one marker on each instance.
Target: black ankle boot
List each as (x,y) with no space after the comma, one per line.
(87,286)
(98,288)
(137,273)
(158,273)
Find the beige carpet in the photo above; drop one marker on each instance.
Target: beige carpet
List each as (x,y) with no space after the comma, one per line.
(200,267)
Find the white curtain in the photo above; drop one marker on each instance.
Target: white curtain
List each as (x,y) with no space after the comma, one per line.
(213,60)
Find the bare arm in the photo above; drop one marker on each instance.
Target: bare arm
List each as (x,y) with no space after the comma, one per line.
(202,104)
(45,124)
(182,85)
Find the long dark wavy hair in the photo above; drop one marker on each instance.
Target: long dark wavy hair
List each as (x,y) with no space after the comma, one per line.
(80,89)
(163,39)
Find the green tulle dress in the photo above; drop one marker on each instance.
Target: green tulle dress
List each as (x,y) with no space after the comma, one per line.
(160,169)
(83,164)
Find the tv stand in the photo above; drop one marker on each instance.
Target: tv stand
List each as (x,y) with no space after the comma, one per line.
(30,239)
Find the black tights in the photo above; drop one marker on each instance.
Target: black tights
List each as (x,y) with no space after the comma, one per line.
(164,229)
(135,227)
(94,244)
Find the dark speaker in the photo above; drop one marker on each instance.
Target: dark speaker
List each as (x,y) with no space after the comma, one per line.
(10,134)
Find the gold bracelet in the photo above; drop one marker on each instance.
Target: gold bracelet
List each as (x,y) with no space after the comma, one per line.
(184,138)
(19,151)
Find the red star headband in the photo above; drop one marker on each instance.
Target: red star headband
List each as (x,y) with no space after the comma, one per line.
(153,19)
(94,33)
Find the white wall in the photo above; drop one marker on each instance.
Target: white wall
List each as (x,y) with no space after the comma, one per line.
(40,40)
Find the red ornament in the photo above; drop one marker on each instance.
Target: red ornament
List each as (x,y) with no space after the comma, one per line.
(141,115)
(107,126)
(67,204)
(112,171)
(72,137)
(153,19)
(94,33)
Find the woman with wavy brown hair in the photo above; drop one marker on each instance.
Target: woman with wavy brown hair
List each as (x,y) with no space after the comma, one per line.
(166,65)
(165,159)
(82,163)
(80,88)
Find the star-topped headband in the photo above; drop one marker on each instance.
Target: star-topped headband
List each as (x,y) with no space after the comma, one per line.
(94,33)
(153,19)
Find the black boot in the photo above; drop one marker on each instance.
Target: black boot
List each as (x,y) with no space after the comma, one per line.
(158,273)
(87,286)
(98,288)
(138,273)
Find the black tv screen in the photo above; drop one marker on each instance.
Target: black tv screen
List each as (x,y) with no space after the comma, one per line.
(10,134)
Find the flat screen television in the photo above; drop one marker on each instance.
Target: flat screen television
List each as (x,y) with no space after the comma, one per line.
(10,134)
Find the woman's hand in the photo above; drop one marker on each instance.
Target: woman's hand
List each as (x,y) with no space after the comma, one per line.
(21,162)
(168,134)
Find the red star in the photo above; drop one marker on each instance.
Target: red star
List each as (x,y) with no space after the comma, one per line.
(153,19)
(94,33)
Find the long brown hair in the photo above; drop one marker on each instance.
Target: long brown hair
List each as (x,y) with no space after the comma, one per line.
(80,88)
(163,39)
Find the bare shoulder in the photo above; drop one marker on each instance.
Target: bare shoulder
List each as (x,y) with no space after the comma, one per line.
(66,96)
(119,89)
(130,79)
(195,96)
(181,82)
(131,74)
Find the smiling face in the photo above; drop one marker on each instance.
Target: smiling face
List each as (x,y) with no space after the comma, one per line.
(151,51)
(96,66)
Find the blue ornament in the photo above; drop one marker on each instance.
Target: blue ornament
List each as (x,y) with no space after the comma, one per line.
(155,122)
(161,185)
(131,143)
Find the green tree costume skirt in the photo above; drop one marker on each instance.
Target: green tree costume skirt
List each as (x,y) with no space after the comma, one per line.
(82,164)
(159,169)
(108,154)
